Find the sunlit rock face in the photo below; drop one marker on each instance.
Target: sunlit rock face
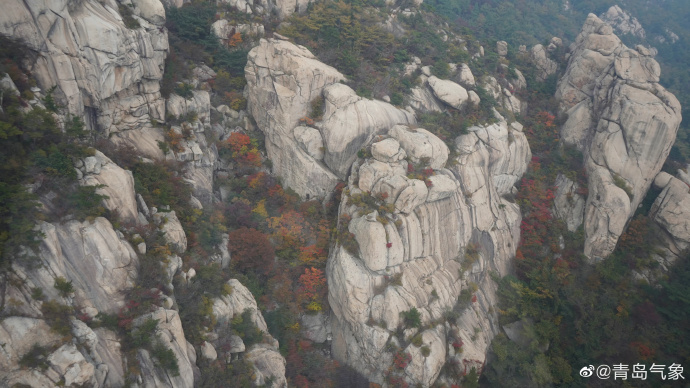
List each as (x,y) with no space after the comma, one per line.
(428,241)
(622,120)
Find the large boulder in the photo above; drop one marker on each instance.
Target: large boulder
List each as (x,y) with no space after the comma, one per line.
(622,120)
(449,92)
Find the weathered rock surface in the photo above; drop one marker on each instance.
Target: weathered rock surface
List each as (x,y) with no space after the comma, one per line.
(118,185)
(622,120)
(622,22)
(350,122)
(169,224)
(449,92)
(267,361)
(545,65)
(283,80)
(503,95)
(170,333)
(100,67)
(99,263)
(671,211)
(569,204)
(423,246)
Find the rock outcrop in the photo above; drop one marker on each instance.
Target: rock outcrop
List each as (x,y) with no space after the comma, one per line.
(671,211)
(283,80)
(99,66)
(545,65)
(267,360)
(427,241)
(622,22)
(622,120)
(98,261)
(169,332)
(118,185)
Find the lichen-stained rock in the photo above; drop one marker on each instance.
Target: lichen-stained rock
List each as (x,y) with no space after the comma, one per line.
(199,104)
(622,120)
(671,211)
(283,79)
(69,363)
(99,263)
(268,364)
(99,66)
(118,186)
(569,204)
(413,257)
(465,76)
(502,147)
(227,307)
(351,122)
(310,140)
(371,236)
(623,22)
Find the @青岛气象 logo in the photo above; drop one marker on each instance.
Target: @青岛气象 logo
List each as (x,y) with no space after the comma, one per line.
(638,372)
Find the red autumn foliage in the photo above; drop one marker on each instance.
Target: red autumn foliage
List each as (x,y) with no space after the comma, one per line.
(312,284)
(251,250)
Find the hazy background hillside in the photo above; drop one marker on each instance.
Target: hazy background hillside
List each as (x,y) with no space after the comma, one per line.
(530,22)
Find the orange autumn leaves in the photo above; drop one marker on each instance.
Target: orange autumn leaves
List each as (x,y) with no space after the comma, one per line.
(244,150)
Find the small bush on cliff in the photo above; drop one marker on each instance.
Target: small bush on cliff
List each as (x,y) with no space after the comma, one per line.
(128,17)
(412,317)
(63,286)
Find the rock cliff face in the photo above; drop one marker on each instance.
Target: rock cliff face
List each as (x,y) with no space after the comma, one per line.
(105,60)
(425,243)
(622,120)
(283,80)
(98,65)
(671,211)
